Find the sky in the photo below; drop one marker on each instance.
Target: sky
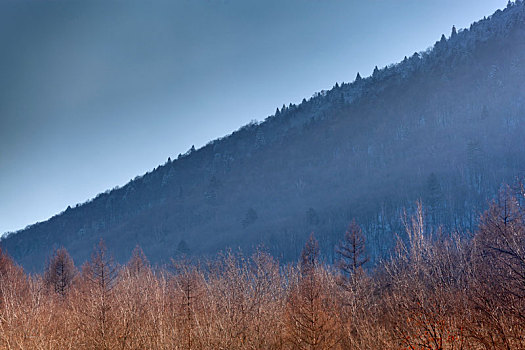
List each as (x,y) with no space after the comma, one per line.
(94,93)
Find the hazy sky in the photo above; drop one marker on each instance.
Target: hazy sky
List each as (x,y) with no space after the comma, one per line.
(93,93)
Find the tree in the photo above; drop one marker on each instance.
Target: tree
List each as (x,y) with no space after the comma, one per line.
(138,262)
(422,290)
(311,316)
(484,113)
(132,298)
(60,272)
(249,218)
(312,218)
(434,197)
(266,295)
(12,279)
(454,32)
(352,251)
(497,290)
(101,270)
(213,187)
(375,73)
(339,101)
(309,255)
(475,163)
(16,311)
(231,301)
(183,248)
(260,140)
(189,287)
(98,279)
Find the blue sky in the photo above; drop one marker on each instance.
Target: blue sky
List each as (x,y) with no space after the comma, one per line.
(93,93)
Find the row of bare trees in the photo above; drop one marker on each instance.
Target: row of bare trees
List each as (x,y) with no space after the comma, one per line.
(437,291)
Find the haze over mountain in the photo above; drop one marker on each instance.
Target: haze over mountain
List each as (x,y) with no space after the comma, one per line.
(93,93)
(444,126)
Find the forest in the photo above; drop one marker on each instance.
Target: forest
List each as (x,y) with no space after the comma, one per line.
(372,215)
(436,290)
(444,125)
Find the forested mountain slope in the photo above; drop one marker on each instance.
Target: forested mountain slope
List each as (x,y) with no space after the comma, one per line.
(445,126)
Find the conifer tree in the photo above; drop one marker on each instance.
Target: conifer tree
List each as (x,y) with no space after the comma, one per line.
(138,262)
(60,272)
(189,287)
(375,73)
(434,197)
(99,276)
(351,251)
(311,317)
(309,255)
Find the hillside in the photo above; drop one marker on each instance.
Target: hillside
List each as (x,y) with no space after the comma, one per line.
(444,126)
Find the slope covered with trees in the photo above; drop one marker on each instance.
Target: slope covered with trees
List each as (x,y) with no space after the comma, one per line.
(437,292)
(444,126)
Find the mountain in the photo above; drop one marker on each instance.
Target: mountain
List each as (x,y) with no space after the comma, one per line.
(445,126)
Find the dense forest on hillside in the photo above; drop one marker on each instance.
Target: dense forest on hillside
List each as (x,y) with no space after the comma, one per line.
(445,126)
(436,291)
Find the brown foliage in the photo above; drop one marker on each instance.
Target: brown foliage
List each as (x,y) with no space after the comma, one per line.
(436,292)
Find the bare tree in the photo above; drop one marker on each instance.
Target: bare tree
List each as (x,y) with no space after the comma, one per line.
(14,297)
(134,296)
(497,290)
(60,272)
(422,291)
(98,279)
(189,290)
(268,297)
(351,251)
(138,262)
(311,318)
(438,291)
(309,255)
